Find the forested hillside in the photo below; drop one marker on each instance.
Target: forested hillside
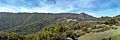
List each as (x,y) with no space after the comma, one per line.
(27,23)
(63,26)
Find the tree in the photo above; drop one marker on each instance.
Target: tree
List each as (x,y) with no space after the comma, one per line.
(55,28)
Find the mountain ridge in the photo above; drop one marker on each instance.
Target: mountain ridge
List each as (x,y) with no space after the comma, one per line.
(33,22)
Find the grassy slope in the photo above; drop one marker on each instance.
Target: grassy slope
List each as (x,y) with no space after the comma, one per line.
(101,35)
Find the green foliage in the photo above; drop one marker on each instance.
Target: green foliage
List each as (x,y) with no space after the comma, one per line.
(34,22)
(34,26)
(50,33)
(55,28)
(111,21)
(47,36)
(10,36)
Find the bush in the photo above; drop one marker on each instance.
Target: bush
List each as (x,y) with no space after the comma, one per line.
(55,28)
(10,36)
(111,21)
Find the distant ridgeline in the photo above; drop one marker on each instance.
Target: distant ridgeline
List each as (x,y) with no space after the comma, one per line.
(27,23)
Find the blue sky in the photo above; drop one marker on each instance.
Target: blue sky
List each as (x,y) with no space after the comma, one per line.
(92,7)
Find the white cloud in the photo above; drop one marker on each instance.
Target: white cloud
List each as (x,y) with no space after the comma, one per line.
(75,6)
(44,6)
(47,9)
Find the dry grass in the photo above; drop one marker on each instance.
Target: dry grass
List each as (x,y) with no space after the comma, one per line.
(100,35)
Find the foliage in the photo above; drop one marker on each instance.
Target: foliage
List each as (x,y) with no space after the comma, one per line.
(46,27)
(111,21)
(33,22)
(10,36)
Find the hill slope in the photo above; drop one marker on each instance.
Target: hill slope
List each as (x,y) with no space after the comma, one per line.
(26,23)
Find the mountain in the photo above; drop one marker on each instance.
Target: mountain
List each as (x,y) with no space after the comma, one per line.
(28,23)
(85,16)
(60,26)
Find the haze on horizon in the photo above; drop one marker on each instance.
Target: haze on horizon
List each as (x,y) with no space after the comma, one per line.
(93,7)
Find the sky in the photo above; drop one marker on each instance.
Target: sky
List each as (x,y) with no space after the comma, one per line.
(92,7)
